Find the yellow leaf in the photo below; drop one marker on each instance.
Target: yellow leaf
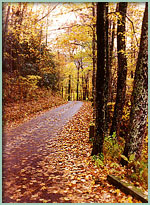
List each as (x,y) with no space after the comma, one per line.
(45,201)
(130,199)
(43,188)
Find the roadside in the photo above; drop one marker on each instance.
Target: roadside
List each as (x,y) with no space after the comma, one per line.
(18,112)
(62,170)
(85,182)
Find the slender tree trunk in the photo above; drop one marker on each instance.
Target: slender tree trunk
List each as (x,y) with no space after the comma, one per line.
(100,79)
(85,95)
(69,88)
(4,36)
(87,85)
(139,99)
(47,24)
(106,67)
(62,91)
(84,88)
(111,62)
(78,67)
(83,91)
(122,71)
(114,61)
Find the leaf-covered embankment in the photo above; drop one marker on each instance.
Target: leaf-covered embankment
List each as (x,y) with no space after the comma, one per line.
(20,111)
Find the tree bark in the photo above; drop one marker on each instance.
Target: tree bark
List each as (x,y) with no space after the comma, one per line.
(122,71)
(106,46)
(69,88)
(4,36)
(78,67)
(100,80)
(111,62)
(62,91)
(94,61)
(139,99)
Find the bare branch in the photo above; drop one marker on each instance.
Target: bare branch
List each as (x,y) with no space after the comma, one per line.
(71,26)
(131,24)
(47,13)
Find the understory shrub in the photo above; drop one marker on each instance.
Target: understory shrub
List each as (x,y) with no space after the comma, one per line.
(112,147)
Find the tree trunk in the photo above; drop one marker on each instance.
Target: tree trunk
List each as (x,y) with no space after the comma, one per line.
(106,94)
(94,62)
(83,89)
(87,85)
(62,91)
(111,62)
(4,36)
(84,86)
(112,30)
(100,80)
(47,25)
(69,88)
(78,67)
(122,71)
(139,99)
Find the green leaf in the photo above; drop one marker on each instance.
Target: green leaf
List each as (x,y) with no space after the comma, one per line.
(125,158)
(132,157)
(99,163)
(114,135)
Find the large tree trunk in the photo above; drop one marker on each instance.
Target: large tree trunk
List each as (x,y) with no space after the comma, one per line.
(111,53)
(122,71)
(94,61)
(139,99)
(100,80)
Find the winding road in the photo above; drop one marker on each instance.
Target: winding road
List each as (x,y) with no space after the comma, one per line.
(25,147)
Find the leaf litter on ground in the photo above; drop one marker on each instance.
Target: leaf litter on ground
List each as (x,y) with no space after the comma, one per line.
(67,173)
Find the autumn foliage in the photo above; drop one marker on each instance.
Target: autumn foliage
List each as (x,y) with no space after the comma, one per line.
(47,62)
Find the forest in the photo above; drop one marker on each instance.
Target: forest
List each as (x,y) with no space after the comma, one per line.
(94,53)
